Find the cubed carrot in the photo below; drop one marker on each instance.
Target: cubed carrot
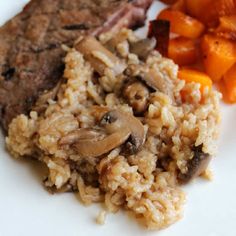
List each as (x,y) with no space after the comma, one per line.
(230,84)
(189,75)
(182,24)
(219,55)
(183,51)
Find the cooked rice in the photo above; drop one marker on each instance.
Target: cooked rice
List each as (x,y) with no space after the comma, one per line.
(132,182)
(101,218)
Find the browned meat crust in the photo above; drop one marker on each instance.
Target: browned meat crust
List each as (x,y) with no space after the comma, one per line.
(30,44)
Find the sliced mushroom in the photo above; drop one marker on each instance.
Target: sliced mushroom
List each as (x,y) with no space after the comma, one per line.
(81,134)
(137,95)
(157,82)
(115,128)
(196,166)
(95,142)
(99,57)
(152,78)
(116,120)
(95,147)
(143,47)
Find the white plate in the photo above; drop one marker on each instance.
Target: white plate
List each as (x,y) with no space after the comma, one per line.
(27,209)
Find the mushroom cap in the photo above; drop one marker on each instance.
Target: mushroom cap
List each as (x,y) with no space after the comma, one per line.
(117,119)
(143,47)
(82,134)
(99,57)
(94,142)
(196,166)
(96,147)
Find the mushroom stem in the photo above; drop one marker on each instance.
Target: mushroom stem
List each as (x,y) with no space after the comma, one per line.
(99,57)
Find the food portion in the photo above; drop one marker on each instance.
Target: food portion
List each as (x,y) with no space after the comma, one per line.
(30,44)
(203,38)
(122,128)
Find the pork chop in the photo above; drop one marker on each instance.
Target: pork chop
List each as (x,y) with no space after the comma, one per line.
(30,44)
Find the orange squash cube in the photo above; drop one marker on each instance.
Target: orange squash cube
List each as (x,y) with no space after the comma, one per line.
(209,11)
(196,8)
(189,75)
(230,84)
(169,1)
(219,55)
(227,27)
(183,51)
(182,24)
(179,6)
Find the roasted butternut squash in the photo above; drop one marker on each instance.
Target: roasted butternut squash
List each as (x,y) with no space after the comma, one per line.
(180,5)
(230,84)
(183,51)
(196,8)
(219,55)
(189,75)
(169,1)
(209,11)
(227,27)
(214,54)
(182,24)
